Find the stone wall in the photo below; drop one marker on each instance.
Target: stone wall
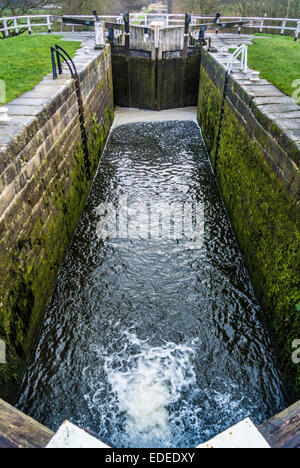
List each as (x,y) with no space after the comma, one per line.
(258,175)
(43,187)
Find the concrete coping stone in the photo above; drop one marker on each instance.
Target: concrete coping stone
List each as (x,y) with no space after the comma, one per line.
(26,108)
(269,100)
(70,436)
(243,435)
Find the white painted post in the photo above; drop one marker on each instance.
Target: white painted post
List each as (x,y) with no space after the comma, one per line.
(240,27)
(283,27)
(217,30)
(146,20)
(243,59)
(4,115)
(246,59)
(29,25)
(99,35)
(156,36)
(49,24)
(297,31)
(262,25)
(6,31)
(16,26)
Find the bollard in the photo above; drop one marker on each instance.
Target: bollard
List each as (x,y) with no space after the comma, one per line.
(254,76)
(4,115)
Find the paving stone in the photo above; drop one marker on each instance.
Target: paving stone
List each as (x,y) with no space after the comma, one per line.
(40,92)
(20,120)
(8,131)
(248,82)
(264,91)
(280,99)
(294,135)
(30,101)
(289,124)
(23,109)
(280,108)
(293,115)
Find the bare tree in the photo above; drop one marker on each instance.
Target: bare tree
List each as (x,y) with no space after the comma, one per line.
(199,6)
(273,8)
(78,7)
(19,7)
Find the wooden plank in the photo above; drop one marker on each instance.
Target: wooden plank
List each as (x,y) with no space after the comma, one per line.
(20,431)
(283,431)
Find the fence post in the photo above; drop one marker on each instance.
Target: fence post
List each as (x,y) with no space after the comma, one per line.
(240,27)
(16,26)
(29,25)
(283,27)
(49,24)
(297,31)
(6,31)
(262,26)
(246,59)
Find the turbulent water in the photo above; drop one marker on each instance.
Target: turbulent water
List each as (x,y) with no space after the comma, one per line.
(153,337)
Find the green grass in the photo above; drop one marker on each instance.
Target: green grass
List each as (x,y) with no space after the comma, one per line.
(25,60)
(277,59)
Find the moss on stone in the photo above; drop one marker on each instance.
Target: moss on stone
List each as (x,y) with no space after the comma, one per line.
(265,219)
(32,266)
(167,83)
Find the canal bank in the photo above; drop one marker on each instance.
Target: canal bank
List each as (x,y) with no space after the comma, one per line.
(154,324)
(45,177)
(25,248)
(255,152)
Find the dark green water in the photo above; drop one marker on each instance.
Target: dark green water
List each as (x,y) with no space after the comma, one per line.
(153,337)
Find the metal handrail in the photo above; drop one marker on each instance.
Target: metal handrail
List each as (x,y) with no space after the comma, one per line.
(58,53)
(243,51)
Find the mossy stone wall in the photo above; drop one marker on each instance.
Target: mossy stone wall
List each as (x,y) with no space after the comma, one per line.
(258,175)
(43,189)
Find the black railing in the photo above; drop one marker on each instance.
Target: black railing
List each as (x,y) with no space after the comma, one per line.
(59,55)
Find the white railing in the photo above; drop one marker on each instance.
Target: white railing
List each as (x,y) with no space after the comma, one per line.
(240,51)
(17,23)
(281,25)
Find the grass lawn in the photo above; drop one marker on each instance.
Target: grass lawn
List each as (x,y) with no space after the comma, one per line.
(25,60)
(277,59)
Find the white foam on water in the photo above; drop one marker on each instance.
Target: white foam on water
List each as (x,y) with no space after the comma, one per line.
(140,395)
(146,383)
